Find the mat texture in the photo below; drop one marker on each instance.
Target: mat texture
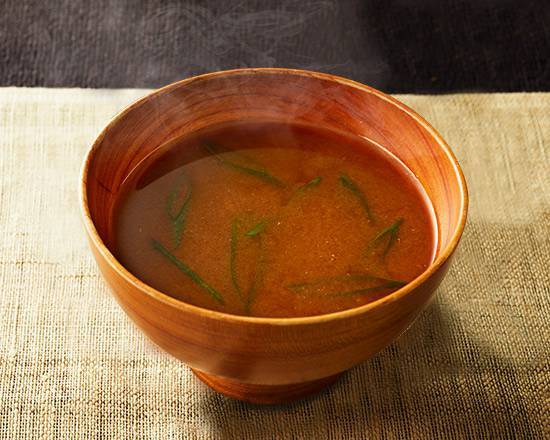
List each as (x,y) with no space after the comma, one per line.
(475,364)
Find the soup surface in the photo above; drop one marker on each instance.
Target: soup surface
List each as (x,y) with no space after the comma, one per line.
(273,220)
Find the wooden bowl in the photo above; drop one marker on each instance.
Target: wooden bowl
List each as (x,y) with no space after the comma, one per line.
(269,360)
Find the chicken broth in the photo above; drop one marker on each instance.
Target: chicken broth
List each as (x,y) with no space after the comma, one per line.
(273,220)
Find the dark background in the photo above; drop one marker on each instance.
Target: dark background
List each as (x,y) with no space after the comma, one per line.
(426,46)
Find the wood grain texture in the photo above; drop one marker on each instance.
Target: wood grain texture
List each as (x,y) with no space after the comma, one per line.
(269,351)
(265,394)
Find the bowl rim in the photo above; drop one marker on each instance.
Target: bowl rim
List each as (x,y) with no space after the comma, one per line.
(275,321)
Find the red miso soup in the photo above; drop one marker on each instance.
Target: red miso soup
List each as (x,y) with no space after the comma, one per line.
(273,220)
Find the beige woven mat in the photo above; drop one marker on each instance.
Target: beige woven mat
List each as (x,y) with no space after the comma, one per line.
(474,365)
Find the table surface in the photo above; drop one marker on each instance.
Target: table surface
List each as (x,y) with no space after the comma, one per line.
(475,364)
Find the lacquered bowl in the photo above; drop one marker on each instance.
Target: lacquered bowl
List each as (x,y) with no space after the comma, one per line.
(270,360)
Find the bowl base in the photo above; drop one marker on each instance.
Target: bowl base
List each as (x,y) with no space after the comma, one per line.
(265,394)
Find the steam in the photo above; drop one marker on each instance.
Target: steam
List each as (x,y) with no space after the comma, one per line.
(244,35)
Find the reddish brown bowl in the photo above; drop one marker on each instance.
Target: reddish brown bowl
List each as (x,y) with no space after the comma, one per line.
(268,360)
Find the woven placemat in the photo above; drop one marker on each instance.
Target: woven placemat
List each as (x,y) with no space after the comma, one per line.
(475,364)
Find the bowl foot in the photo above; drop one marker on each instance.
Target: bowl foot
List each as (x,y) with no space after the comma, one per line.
(264,394)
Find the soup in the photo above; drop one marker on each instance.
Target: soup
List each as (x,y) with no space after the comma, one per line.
(273,220)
